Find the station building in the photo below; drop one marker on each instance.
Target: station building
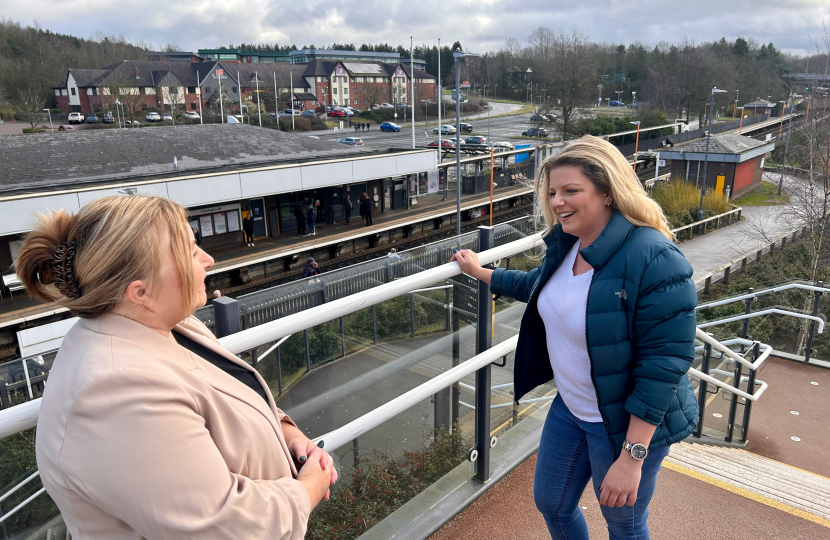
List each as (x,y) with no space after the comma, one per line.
(219,172)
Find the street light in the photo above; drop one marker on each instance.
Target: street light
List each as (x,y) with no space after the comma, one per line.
(787,145)
(456,57)
(600,95)
(636,144)
(781,125)
(633,98)
(488,113)
(618,92)
(706,156)
(50,120)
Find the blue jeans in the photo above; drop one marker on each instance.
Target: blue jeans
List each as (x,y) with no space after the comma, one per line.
(572,452)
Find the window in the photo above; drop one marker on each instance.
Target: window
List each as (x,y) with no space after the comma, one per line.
(334,91)
(57,91)
(191,89)
(355,101)
(346,91)
(143,106)
(73,92)
(354,79)
(193,106)
(234,89)
(324,91)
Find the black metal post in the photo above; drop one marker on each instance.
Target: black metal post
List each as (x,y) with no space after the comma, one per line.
(701,389)
(750,389)
(448,307)
(356,455)
(411,315)
(226,311)
(748,311)
(307,352)
(733,401)
(484,340)
(254,357)
(279,371)
(342,338)
(809,349)
(456,359)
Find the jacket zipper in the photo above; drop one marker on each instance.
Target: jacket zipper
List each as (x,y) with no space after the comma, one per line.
(605,423)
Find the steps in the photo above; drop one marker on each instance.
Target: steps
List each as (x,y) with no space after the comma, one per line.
(765,477)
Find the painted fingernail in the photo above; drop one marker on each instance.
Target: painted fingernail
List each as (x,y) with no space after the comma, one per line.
(320,444)
(302,459)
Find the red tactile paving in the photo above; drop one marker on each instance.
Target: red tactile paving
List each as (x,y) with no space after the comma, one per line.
(772,424)
(683,508)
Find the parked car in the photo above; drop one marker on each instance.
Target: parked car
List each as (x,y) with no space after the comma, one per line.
(549,117)
(386,106)
(337,113)
(390,126)
(75,117)
(108,118)
(615,103)
(153,117)
(445,130)
(465,127)
(354,141)
(308,113)
(444,144)
(536,118)
(501,145)
(92,119)
(66,127)
(635,105)
(348,110)
(535,132)
(476,140)
(166,116)
(290,112)
(192,115)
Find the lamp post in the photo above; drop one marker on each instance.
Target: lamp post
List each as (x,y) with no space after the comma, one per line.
(706,155)
(456,57)
(633,98)
(781,124)
(488,113)
(737,95)
(734,112)
(50,120)
(787,145)
(600,95)
(618,92)
(636,144)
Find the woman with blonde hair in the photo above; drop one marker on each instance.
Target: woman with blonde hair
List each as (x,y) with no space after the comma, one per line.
(615,306)
(148,427)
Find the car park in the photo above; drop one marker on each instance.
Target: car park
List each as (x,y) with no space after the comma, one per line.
(192,115)
(354,141)
(535,132)
(444,144)
(66,127)
(390,126)
(92,119)
(308,113)
(108,118)
(475,140)
(153,117)
(445,130)
(75,117)
(465,127)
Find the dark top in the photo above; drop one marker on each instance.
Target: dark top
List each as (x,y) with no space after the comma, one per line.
(234,370)
(248,224)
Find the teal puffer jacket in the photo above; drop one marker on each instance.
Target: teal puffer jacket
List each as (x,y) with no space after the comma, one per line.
(640,328)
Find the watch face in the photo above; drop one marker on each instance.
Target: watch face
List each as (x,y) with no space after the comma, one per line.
(639,451)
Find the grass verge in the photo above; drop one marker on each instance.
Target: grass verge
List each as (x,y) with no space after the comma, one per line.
(765,195)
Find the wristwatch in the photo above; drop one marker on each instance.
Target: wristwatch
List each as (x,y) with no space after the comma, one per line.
(638,451)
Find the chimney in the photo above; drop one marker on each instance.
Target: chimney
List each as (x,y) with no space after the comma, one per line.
(136,74)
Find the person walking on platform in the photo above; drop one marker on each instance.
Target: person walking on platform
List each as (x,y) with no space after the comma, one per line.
(311,220)
(310,268)
(347,207)
(300,215)
(248,229)
(149,427)
(614,302)
(366,209)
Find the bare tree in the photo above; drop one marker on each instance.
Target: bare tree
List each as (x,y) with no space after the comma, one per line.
(29,106)
(373,94)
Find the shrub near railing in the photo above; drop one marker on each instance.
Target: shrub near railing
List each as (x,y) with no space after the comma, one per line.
(680,201)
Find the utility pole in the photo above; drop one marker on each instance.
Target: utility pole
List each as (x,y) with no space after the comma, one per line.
(412,87)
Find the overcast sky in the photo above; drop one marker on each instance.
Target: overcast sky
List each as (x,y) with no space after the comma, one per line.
(480,25)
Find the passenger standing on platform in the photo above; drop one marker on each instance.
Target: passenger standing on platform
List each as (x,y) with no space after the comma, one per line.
(347,206)
(366,209)
(149,428)
(614,302)
(300,215)
(311,219)
(248,229)
(197,235)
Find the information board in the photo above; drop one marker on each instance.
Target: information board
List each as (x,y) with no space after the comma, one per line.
(465,298)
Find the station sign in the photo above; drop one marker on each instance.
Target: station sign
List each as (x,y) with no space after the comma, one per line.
(465,298)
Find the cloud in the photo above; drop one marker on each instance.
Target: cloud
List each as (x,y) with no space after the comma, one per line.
(480,25)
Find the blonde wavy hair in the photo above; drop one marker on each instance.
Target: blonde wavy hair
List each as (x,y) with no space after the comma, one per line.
(610,172)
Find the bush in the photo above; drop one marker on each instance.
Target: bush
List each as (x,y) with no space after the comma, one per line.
(381,485)
(33,130)
(6,115)
(680,201)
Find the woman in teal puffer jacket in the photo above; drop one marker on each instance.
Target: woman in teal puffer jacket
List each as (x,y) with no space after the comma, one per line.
(614,303)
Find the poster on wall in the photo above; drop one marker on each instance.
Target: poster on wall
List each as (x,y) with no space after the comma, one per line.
(219,223)
(206,225)
(432,181)
(233,220)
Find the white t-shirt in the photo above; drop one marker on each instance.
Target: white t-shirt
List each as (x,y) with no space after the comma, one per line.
(562,304)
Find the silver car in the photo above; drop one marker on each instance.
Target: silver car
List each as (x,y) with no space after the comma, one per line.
(354,141)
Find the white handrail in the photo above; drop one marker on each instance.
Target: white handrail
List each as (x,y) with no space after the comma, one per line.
(762,292)
(274,330)
(19,418)
(717,345)
(769,311)
(342,435)
(20,485)
(729,388)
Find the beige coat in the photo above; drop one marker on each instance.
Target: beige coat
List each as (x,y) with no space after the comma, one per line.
(139,438)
